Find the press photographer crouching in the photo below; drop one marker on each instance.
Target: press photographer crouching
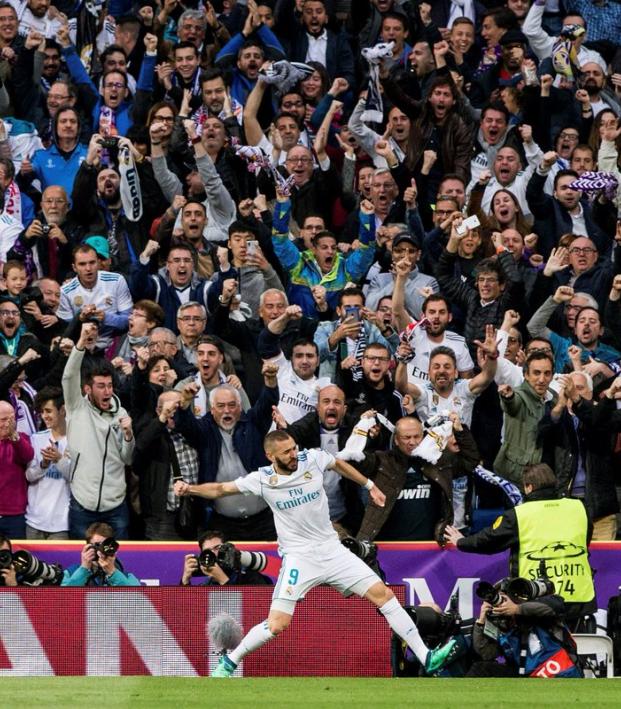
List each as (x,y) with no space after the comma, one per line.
(520,631)
(21,568)
(223,564)
(99,565)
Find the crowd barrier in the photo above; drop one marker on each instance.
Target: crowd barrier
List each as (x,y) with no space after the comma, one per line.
(163,632)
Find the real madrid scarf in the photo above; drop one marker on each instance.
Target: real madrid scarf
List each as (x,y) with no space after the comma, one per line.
(131,196)
(374,106)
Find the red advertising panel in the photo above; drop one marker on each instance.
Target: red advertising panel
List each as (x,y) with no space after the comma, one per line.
(163,631)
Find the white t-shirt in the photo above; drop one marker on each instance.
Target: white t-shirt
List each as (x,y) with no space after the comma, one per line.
(48,489)
(418,368)
(298,501)
(460,400)
(297,397)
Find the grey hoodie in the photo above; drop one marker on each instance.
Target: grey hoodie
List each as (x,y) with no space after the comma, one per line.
(96,444)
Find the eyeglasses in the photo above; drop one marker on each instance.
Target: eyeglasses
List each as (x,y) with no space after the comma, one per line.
(293,104)
(161,342)
(56,97)
(303,161)
(178,260)
(376,358)
(164,119)
(54,200)
(191,318)
(585,251)
(568,136)
(569,306)
(9,313)
(114,85)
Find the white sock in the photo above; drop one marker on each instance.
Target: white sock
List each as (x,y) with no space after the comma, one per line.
(253,640)
(406,629)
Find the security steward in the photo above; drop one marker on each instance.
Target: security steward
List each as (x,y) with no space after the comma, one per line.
(545,527)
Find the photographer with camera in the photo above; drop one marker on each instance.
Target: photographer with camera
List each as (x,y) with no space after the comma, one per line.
(542,529)
(223,564)
(99,565)
(8,575)
(521,621)
(21,568)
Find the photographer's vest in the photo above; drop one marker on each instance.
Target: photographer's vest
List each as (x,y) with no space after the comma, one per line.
(556,531)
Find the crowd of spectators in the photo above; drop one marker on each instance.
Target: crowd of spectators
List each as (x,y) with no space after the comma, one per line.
(221,218)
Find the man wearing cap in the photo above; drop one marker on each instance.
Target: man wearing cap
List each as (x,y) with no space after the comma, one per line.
(102,249)
(45,246)
(508,70)
(404,247)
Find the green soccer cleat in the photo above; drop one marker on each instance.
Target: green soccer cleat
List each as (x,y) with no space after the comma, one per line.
(439,657)
(225,667)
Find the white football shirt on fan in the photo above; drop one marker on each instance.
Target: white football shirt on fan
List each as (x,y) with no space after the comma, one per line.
(297,396)
(423,346)
(298,501)
(461,400)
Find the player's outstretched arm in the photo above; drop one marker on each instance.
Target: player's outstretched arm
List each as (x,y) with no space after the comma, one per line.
(348,471)
(209,490)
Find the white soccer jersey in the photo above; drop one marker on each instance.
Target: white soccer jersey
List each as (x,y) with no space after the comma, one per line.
(418,368)
(461,400)
(298,501)
(297,396)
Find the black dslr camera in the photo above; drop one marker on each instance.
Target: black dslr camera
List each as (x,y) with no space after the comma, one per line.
(230,559)
(110,141)
(31,571)
(365,550)
(108,547)
(518,589)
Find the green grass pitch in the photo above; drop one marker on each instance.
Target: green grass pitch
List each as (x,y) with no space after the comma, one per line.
(333,692)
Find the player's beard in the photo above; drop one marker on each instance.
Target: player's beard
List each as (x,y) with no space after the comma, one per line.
(286,467)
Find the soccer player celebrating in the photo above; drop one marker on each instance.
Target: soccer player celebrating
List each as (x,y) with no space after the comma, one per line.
(312,553)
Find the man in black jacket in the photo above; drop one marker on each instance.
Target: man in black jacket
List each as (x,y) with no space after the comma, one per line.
(577,436)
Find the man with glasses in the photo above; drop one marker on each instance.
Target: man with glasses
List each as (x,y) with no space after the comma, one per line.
(586,337)
(191,321)
(580,267)
(46,246)
(163,341)
(143,319)
(175,284)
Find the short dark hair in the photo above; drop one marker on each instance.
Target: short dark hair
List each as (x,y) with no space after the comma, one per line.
(535,357)
(305,342)
(502,16)
(287,114)
(496,106)
(539,475)
(186,45)
(400,17)
(9,167)
(212,73)
(97,367)
(489,265)
(435,298)
(102,528)
(539,339)
(195,201)
(112,49)
(565,173)
(49,393)
(239,227)
(211,340)
(211,534)
(323,234)
(443,350)
(347,292)
(113,71)
(589,307)
(251,43)
(274,437)
(154,359)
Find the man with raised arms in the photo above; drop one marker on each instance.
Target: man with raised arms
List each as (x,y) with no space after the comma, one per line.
(311,551)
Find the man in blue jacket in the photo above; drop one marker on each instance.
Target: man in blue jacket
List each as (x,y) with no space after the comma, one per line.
(229,444)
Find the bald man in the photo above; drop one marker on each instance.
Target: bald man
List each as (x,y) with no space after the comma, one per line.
(15,454)
(418,494)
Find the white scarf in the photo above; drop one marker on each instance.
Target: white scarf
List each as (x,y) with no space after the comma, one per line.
(131,196)
(13,201)
(461,8)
